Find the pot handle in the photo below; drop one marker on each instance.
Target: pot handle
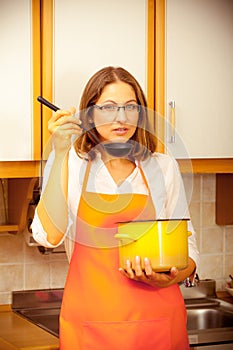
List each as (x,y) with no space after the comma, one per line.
(125,236)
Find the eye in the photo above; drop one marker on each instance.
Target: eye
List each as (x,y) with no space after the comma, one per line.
(108,108)
(132,107)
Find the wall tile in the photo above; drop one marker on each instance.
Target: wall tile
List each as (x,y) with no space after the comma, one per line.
(32,254)
(59,254)
(209,188)
(12,277)
(228,265)
(211,266)
(229,239)
(208,214)
(11,248)
(5,298)
(37,276)
(212,240)
(196,188)
(195,211)
(192,181)
(59,271)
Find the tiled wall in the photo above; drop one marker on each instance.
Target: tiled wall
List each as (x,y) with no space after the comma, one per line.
(215,242)
(23,267)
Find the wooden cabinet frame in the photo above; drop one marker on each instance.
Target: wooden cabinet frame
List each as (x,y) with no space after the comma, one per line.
(22,175)
(156,87)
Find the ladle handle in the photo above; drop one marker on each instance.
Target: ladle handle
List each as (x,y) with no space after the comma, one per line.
(47,103)
(55,108)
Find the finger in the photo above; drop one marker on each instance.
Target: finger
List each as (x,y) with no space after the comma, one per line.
(64,119)
(72,110)
(59,114)
(68,126)
(148,268)
(137,266)
(75,116)
(123,272)
(173,272)
(62,126)
(128,269)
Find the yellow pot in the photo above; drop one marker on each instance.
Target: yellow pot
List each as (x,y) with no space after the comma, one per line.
(163,242)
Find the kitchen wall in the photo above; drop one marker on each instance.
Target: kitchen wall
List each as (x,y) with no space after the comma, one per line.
(23,267)
(215,242)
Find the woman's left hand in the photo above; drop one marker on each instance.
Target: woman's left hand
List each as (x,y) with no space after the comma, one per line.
(147,275)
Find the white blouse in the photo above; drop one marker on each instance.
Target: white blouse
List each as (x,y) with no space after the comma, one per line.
(164,182)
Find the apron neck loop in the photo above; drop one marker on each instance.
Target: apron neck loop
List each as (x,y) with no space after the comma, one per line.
(87,171)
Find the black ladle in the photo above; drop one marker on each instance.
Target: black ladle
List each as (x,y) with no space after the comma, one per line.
(115,149)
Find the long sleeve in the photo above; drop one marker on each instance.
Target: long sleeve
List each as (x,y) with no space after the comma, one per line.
(39,234)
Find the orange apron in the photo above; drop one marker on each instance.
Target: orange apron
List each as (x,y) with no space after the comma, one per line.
(103,310)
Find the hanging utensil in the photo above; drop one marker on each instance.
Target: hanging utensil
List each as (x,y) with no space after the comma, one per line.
(115,149)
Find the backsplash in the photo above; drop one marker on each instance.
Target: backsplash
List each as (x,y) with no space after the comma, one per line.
(215,242)
(23,267)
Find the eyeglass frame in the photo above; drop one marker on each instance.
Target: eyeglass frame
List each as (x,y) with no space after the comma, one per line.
(116,108)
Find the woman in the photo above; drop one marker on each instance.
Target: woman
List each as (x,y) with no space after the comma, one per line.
(86,192)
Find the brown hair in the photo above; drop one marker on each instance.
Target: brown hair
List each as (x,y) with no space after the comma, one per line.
(145,140)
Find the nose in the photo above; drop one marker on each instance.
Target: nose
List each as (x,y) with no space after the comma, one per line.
(121,115)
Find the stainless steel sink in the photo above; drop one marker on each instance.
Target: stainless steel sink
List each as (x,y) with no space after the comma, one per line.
(48,319)
(209,318)
(210,321)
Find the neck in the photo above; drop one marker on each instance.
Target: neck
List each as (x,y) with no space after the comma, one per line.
(119,168)
(114,161)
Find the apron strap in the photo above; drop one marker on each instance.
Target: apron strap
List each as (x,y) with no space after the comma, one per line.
(86,176)
(143,176)
(84,186)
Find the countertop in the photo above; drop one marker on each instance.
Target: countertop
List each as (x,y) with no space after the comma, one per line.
(225,296)
(17,333)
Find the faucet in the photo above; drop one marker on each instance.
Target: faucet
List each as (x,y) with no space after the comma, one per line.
(189,283)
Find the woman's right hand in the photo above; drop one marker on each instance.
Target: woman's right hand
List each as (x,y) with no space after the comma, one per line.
(62,125)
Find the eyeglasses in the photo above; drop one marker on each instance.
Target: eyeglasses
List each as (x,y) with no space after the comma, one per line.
(112,109)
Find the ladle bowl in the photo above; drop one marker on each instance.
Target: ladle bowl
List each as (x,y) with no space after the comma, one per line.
(118,149)
(115,149)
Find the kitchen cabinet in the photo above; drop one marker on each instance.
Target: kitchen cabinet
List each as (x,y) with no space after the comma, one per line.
(192,58)
(79,38)
(20,131)
(20,80)
(224,195)
(88,36)
(199,75)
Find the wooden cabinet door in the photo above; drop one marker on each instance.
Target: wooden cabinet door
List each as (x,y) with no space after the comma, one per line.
(89,35)
(199,77)
(17,87)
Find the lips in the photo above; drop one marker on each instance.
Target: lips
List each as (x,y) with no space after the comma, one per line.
(120,131)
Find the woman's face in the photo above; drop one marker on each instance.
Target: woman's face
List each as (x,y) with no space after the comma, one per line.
(112,123)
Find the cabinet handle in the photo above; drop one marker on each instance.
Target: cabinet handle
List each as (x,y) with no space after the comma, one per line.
(172,104)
